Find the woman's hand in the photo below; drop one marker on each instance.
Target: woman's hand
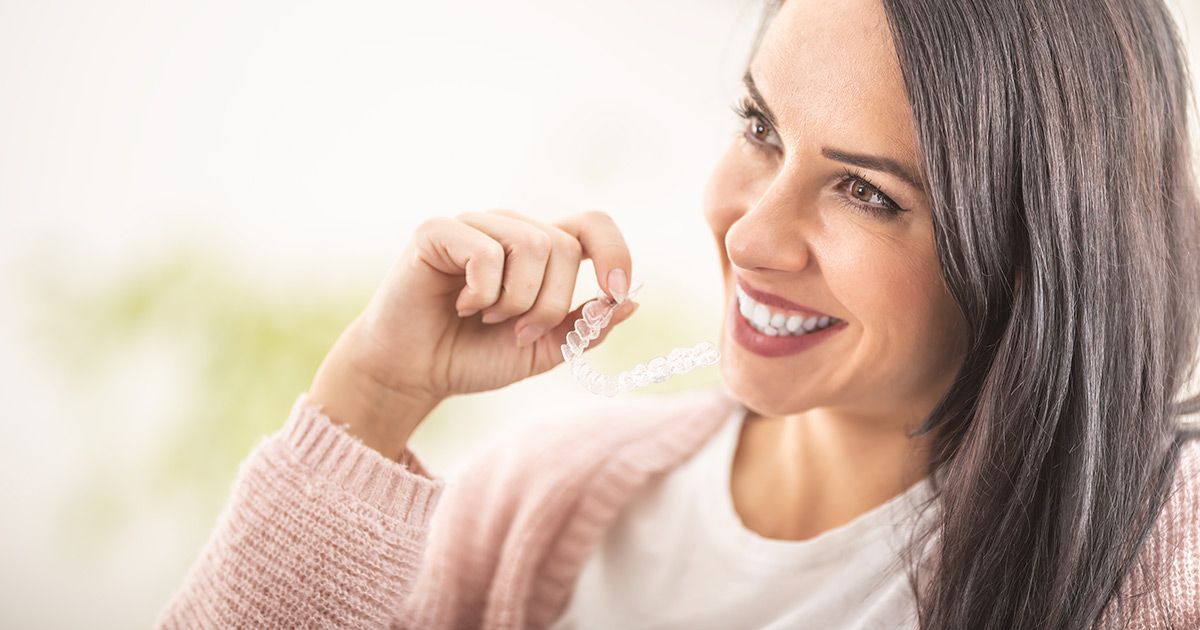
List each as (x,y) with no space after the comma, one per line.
(474,303)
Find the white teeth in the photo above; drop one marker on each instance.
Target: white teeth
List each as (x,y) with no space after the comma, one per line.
(762,316)
(777,324)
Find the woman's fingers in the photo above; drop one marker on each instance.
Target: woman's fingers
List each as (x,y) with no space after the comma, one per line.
(455,248)
(558,287)
(603,243)
(527,249)
(541,265)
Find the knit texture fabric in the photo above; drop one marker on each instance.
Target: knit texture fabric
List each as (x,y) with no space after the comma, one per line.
(323,531)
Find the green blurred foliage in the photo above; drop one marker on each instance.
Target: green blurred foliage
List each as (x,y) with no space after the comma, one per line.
(251,349)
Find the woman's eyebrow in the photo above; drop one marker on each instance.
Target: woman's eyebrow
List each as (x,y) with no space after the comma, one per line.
(748,79)
(873,162)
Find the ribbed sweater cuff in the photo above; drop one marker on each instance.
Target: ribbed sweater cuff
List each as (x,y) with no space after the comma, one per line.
(404,488)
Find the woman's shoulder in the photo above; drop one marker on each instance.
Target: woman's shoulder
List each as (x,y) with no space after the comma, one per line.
(552,460)
(1179,523)
(1164,583)
(1173,550)
(514,499)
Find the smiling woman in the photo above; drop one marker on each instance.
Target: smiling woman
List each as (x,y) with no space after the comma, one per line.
(1021,311)
(958,242)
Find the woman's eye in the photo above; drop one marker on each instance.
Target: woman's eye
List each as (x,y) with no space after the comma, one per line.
(758,129)
(864,192)
(755,129)
(868,197)
(864,196)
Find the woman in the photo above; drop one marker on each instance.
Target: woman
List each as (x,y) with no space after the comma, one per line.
(959,243)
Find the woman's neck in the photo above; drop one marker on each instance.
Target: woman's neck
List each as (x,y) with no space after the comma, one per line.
(794,477)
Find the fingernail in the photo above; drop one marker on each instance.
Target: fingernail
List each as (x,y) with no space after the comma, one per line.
(528,334)
(618,283)
(467,312)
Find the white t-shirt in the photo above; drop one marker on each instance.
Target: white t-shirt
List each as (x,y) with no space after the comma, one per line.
(678,556)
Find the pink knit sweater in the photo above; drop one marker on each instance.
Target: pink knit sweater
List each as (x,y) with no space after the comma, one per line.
(321,530)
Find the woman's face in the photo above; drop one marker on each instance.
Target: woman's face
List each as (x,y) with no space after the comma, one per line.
(812,204)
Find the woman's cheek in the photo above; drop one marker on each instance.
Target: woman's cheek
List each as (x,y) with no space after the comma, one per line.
(931,325)
(951,342)
(882,284)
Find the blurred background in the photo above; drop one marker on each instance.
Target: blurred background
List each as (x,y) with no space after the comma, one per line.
(196,197)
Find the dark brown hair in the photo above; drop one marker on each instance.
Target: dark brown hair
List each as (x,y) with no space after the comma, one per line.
(1054,145)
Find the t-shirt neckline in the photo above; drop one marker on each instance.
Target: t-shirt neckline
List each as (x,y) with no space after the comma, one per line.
(743,545)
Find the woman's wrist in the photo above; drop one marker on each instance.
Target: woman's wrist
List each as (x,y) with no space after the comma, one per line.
(381,417)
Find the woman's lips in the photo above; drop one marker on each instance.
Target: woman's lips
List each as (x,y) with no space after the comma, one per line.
(767,346)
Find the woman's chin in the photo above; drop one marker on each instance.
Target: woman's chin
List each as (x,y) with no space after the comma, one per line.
(765,396)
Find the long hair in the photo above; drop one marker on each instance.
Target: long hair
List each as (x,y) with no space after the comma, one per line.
(1054,142)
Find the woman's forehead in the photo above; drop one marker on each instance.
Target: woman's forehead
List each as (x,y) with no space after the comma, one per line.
(833,66)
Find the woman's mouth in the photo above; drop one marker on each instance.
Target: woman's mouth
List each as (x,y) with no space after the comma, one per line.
(776,322)
(772,331)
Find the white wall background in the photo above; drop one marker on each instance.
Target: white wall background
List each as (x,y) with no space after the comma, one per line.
(305,140)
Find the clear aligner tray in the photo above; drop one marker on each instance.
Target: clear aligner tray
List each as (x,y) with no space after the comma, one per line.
(597,314)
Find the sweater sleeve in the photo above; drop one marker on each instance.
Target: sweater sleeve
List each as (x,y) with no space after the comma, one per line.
(320,530)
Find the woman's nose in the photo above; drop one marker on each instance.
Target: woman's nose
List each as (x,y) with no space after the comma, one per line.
(772,234)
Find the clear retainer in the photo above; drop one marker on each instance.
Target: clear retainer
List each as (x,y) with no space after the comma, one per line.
(596,316)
